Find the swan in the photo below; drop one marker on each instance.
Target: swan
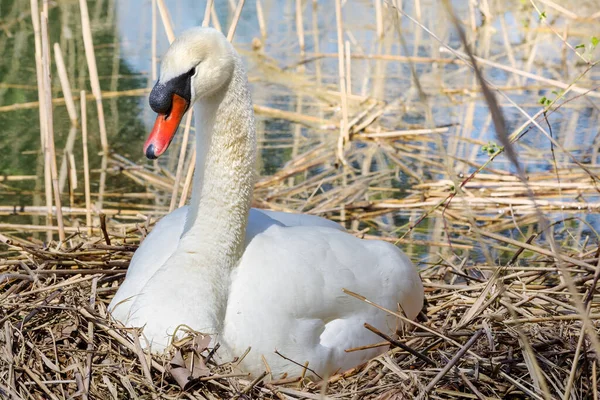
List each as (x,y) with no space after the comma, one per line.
(252,278)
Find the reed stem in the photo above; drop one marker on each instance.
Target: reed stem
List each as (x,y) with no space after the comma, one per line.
(50,149)
(88,44)
(236,19)
(86,165)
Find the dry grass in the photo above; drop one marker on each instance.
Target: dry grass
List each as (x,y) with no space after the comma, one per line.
(56,335)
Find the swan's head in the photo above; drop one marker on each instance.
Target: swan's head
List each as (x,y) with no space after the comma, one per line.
(197,65)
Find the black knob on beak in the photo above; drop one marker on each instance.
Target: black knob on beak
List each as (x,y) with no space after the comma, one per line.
(161,96)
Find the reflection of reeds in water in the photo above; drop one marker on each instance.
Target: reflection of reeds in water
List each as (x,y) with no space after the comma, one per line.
(512,301)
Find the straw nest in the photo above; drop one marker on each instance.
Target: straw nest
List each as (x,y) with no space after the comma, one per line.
(510,330)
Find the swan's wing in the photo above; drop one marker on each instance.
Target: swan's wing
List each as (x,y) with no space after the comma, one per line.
(154,251)
(288,290)
(258,222)
(290,219)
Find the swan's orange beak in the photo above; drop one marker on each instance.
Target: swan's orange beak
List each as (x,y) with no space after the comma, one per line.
(165,128)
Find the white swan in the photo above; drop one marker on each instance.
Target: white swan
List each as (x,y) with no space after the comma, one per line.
(254,278)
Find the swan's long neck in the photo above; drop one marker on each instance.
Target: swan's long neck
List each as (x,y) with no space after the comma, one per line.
(223,184)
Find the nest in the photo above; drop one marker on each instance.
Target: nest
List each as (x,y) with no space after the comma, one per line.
(509,331)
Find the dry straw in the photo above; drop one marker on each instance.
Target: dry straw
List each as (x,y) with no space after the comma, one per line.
(477,357)
(93,70)
(235,20)
(42,110)
(50,158)
(86,165)
(64,83)
(344,137)
(96,91)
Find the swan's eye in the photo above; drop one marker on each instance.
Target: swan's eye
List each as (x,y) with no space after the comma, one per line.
(192,71)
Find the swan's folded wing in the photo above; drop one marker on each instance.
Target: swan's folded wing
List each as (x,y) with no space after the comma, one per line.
(293,219)
(288,290)
(154,251)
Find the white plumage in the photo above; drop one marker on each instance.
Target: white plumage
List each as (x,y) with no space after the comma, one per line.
(254,278)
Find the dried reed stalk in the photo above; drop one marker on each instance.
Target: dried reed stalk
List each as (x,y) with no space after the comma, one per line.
(88,43)
(300,26)
(215,19)
(64,84)
(50,149)
(181,160)
(378,19)
(38,66)
(166,20)
(86,165)
(316,39)
(67,167)
(344,137)
(154,59)
(260,16)
(348,68)
(207,12)
(35,19)
(188,179)
(235,20)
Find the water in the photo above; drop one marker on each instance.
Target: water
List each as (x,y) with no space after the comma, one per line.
(513,36)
